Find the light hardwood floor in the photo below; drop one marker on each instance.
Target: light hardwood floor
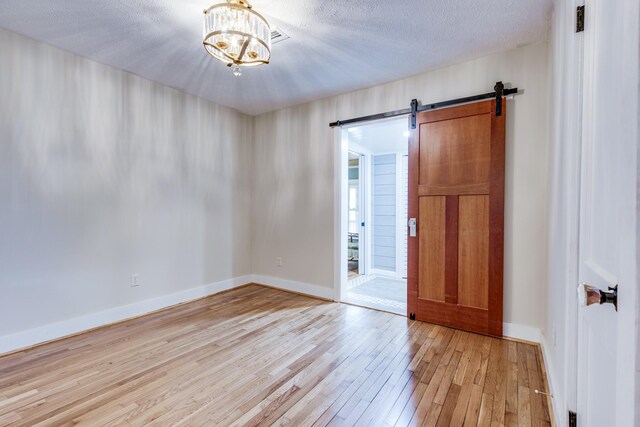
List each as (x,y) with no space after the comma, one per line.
(259,356)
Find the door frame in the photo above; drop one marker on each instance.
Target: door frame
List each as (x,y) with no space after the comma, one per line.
(631,316)
(401,222)
(571,89)
(578,50)
(627,326)
(364,211)
(401,217)
(364,236)
(340,213)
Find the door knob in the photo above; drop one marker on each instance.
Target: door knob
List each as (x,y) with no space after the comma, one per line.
(589,295)
(412,227)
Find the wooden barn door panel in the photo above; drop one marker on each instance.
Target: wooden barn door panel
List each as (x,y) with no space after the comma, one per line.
(473,251)
(432,227)
(456,193)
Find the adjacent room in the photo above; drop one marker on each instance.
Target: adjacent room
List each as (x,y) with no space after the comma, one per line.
(378,190)
(319,213)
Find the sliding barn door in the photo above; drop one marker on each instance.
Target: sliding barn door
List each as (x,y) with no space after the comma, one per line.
(456,195)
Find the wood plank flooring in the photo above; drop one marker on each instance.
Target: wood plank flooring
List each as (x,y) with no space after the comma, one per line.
(259,356)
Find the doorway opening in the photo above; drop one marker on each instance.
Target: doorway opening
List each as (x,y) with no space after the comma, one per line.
(376,186)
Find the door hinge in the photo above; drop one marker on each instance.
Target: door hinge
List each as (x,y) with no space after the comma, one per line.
(573,419)
(412,316)
(580,20)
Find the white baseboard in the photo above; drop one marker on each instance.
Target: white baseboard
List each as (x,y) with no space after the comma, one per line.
(293,286)
(556,397)
(510,330)
(521,332)
(31,337)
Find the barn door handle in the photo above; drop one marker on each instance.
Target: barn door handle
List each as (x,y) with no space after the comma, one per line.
(412,227)
(589,295)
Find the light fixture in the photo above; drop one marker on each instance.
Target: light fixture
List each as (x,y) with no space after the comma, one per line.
(406,134)
(237,35)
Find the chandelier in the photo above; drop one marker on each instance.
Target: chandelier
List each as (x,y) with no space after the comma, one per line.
(237,35)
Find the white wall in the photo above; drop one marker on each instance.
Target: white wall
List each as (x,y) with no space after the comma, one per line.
(384,189)
(104,174)
(294,189)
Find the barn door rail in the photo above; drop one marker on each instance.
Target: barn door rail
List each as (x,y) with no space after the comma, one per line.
(499,92)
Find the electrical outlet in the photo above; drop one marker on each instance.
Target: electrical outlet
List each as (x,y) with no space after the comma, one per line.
(279,261)
(135,282)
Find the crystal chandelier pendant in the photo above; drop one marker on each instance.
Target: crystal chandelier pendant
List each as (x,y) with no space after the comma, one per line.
(237,35)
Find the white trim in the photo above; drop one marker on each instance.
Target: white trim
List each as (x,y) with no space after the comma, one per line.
(368,220)
(362,213)
(76,325)
(566,71)
(340,217)
(365,239)
(31,337)
(293,286)
(628,353)
(42,334)
(521,332)
(556,396)
(401,225)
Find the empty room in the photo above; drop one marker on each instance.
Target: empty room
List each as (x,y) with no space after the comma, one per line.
(320,213)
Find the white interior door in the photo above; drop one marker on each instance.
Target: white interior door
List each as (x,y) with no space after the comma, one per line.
(608,220)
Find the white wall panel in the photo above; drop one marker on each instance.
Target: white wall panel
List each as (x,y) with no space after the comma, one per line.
(104,174)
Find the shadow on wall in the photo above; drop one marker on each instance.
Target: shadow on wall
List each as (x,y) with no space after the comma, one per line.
(105,175)
(294,195)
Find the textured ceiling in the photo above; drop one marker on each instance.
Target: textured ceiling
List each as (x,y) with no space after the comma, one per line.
(335,46)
